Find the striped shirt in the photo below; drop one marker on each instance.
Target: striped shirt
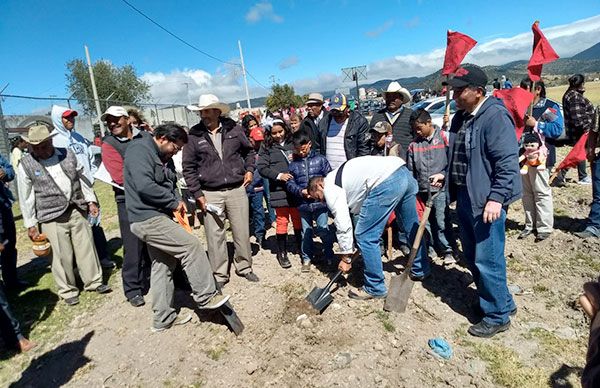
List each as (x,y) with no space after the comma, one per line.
(336,152)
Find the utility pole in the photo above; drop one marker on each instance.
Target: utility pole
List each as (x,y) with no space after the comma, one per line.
(354,74)
(4,143)
(244,73)
(96,100)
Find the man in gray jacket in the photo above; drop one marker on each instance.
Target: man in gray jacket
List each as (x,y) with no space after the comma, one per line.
(152,200)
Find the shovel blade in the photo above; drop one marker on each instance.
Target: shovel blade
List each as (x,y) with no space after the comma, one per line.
(398,293)
(319,299)
(233,321)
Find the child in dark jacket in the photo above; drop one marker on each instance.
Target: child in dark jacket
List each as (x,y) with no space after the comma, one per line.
(427,158)
(255,192)
(305,165)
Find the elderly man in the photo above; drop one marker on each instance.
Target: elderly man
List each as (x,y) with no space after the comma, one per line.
(65,136)
(152,198)
(396,114)
(370,188)
(218,164)
(136,262)
(483,179)
(343,134)
(55,194)
(316,113)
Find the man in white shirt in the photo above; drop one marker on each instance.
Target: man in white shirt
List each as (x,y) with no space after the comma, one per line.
(370,187)
(54,193)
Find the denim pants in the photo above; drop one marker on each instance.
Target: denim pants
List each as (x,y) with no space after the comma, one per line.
(438,225)
(257,215)
(396,193)
(483,249)
(321,218)
(593,221)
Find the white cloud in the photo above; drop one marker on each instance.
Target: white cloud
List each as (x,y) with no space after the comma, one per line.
(288,62)
(263,10)
(380,29)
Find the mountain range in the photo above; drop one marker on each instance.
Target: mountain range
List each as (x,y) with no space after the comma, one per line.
(585,62)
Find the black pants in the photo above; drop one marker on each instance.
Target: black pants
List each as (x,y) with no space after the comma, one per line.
(8,259)
(136,261)
(10,329)
(100,242)
(190,204)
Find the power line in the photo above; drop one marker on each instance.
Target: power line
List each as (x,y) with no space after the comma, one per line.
(189,44)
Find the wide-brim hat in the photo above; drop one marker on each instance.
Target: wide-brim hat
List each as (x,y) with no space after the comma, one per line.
(209,101)
(394,87)
(315,98)
(38,134)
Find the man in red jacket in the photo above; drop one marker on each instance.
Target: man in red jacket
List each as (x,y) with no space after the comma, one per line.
(218,164)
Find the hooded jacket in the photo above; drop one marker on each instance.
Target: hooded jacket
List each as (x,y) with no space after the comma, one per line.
(74,141)
(302,169)
(492,153)
(203,169)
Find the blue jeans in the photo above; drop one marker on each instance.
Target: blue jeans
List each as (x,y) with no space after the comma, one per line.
(593,221)
(257,215)
(483,249)
(322,230)
(396,193)
(439,230)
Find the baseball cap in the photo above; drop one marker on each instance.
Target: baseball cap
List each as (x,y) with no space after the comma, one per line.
(115,111)
(338,101)
(382,127)
(69,113)
(468,75)
(257,134)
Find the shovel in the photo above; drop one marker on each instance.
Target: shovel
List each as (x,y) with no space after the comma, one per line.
(401,286)
(320,298)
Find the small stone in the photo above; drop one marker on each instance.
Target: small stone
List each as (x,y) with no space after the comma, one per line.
(378,379)
(515,289)
(306,323)
(378,346)
(336,306)
(342,360)
(566,333)
(251,368)
(301,317)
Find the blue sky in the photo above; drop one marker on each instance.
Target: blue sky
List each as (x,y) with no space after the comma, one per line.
(304,43)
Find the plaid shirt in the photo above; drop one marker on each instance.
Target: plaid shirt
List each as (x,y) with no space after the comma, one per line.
(579,112)
(460,164)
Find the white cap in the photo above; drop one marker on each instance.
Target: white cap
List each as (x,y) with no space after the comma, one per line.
(115,111)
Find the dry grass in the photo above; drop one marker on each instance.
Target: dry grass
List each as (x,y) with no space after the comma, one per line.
(592,92)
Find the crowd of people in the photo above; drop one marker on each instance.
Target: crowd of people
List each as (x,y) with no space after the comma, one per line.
(306,167)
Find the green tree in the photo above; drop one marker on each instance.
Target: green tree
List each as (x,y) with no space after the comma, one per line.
(282,97)
(127,87)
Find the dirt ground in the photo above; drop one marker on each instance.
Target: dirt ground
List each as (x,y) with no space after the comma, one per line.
(352,343)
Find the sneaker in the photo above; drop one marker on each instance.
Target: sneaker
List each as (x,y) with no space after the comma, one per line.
(586,234)
(215,302)
(25,345)
(405,250)
(107,264)
(305,266)
(487,330)
(524,233)
(541,237)
(137,301)
(103,289)
(361,294)
(251,277)
(72,301)
(418,278)
(180,320)
(449,259)
(585,181)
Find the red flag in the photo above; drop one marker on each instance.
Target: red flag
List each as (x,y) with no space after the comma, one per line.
(576,155)
(542,53)
(457,47)
(516,100)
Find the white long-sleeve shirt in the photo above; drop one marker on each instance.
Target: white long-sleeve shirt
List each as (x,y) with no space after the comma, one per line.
(27,194)
(359,177)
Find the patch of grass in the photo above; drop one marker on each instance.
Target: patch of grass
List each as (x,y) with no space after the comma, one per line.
(588,261)
(506,369)
(215,353)
(570,351)
(293,290)
(559,211)
(592,92)
(384,317)
(540,289)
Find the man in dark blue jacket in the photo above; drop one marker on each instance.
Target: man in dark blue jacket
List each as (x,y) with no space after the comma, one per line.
(484,179)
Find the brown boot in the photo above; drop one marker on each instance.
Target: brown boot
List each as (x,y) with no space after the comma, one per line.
(25,345)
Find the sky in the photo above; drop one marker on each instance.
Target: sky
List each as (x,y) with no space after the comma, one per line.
(303,43)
